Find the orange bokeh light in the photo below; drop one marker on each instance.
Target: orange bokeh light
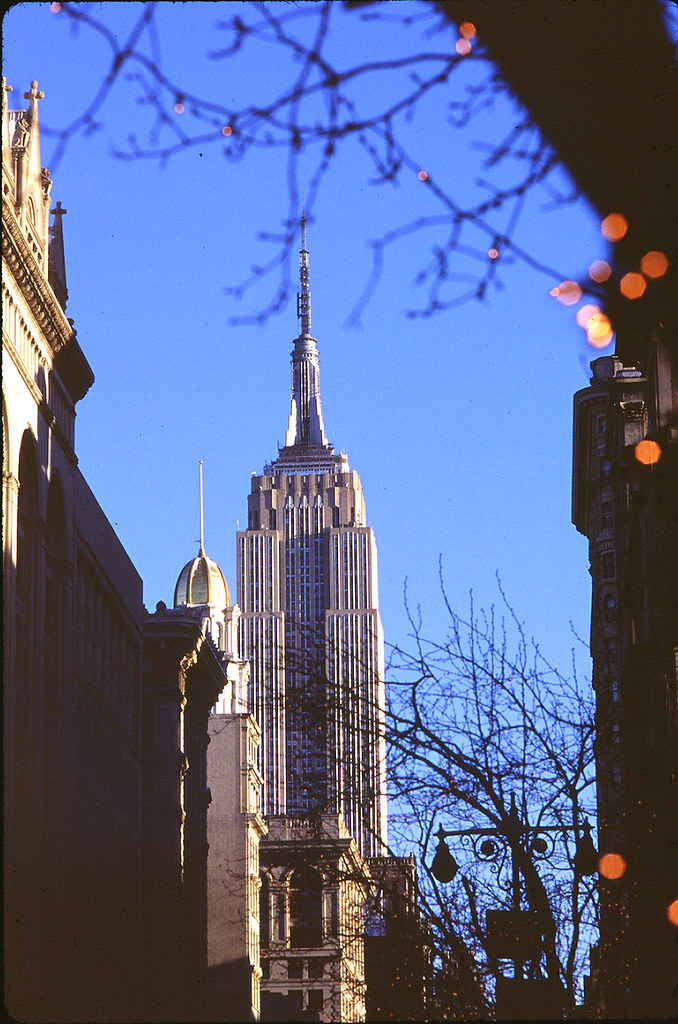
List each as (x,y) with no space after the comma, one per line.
(599,270)
(585,313)
(612,865)
(632,285)
(227,130)
(467,29)
(599,331)
(647,452)
(654,264)
(567,292)
(672,912)
(597,325)
(493,253)
(614,227)
(422,175)
(463,47)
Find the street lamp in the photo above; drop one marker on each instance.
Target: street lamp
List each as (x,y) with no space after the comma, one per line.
(444,867)
(514,934)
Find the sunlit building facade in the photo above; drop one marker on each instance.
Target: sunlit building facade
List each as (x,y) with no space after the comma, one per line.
(222,790)
(307,589)
(310,628)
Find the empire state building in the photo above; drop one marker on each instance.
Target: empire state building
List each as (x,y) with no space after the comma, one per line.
(307,589)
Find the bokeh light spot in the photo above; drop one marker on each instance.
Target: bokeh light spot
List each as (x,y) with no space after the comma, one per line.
(55,8)
(463,47)
(632,285)
(612,865)
(599,270)
(599,331)
(467,29)
(614,227)
(567,292)
(672,912)
(585,313)
(179,108)
(493,253)
(422,175)
(227,130)
(647,452)
(654,264)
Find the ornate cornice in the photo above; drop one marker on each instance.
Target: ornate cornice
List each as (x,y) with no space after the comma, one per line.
(56,329)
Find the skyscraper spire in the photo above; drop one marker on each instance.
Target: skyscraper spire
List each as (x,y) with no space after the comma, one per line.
(304,296)
(305,428)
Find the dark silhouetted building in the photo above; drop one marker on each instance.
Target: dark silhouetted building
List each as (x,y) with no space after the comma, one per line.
(625,500)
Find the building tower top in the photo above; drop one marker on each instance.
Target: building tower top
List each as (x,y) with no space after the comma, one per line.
(306,448)
(201,581)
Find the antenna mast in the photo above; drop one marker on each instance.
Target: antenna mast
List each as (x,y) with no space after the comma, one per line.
(304,296)
(202,521)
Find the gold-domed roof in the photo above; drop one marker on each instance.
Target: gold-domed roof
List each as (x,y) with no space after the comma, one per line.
(201,581)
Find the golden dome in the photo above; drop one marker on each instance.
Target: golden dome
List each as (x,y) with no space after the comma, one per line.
(201,581)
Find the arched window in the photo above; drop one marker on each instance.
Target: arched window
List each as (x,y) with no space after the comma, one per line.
(306,909)
(264,912)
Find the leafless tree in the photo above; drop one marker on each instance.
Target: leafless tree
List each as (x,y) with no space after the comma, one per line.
(317,107)
(479,723)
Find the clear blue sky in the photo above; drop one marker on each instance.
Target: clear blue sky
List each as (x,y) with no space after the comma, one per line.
(459,425)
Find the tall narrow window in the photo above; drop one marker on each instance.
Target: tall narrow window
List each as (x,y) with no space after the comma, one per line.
(610,607)
(608,565)
(305,909)
(264,913)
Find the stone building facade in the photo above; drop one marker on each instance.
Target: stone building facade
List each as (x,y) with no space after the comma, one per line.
(72,644)
(313,892)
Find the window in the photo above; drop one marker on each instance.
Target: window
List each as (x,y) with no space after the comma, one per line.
(614,690)
(282,921)
(264,913)
(605,467)
(335,516)
(607,517)
(295,967)
(315,1000)
(608,565)
(611,648)
(601,425)
(296,999)
(334,913)
(305,909)
(610,607)
(316,968)
(265,969)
